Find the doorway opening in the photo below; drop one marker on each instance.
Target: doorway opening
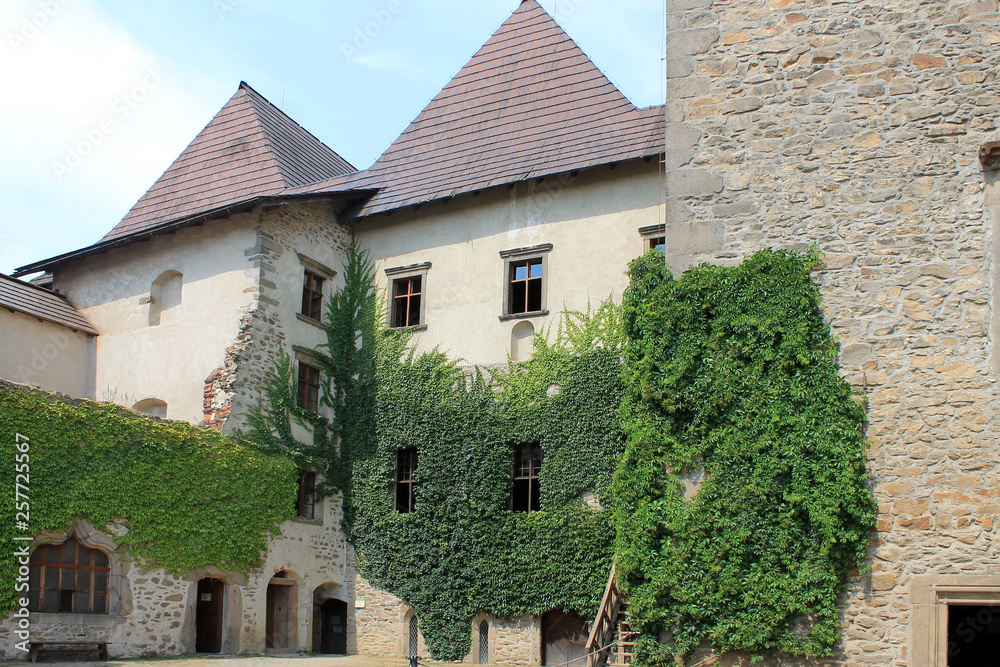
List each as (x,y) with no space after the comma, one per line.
(280,624)
(564,639)
(209,612)
(332,624)
(973,635)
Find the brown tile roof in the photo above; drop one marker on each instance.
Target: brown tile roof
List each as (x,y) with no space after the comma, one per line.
(250,149)
(530,103)
(42,303)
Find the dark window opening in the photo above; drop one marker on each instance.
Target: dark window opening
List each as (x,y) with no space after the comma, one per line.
(312,297)
(973,635)
(307,495)
(525,286)
(406,296)
(68,578)
(658,243)
(527,464)
(309,386)
(406,479)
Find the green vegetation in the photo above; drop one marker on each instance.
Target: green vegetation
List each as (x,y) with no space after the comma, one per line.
(732,380)
(189,497)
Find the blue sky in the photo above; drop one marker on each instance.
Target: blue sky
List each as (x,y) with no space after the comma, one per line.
(100,96)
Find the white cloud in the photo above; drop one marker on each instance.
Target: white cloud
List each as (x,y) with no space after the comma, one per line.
(80,84)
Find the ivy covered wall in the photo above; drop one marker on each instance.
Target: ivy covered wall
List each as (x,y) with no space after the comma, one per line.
(463,551)
(742,501)
(189,497)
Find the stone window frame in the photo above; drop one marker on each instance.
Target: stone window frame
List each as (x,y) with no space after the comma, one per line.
(310,265)
(404,273)
(119,592)
(516,255)
(650,234)
(930,596)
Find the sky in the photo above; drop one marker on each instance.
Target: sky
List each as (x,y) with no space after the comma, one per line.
(100,96)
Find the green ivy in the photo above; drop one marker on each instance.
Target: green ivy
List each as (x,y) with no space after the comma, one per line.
(462,551)
(189,497)
(732,380)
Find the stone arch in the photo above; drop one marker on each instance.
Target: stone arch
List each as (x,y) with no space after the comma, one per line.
(483,633)
(232,615)
(164,295)
(522,341)
(332,620)
(281,625)
(409,630)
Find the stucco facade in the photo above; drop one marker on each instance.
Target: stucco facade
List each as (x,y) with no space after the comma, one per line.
(48,355)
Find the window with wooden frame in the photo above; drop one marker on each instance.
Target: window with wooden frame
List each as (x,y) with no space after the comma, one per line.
(525,277)
(309,387)
(407,295)
(528,461)
(654,237)
(312,296)
(307,495)
(525,290)
(658,243)
(68,578)
(406,480)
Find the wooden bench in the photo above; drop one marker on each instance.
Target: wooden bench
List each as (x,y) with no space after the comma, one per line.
(77,647)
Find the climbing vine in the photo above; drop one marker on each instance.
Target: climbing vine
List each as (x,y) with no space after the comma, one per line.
(463,551)
(741,504)
(189,498)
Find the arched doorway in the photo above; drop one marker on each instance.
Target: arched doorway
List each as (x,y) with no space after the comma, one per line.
(564,639)
(209,613)
(280,623)
(332,623)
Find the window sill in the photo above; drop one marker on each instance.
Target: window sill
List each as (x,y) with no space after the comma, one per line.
(309,320)
(308,522)
(91,620)
(418,327)
(524,316)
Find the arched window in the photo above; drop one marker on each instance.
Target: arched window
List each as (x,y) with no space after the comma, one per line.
(414,643)
(484,643)
(164,295)
(152,407)
(68,578)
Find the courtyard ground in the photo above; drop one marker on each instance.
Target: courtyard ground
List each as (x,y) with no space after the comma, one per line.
(230,661)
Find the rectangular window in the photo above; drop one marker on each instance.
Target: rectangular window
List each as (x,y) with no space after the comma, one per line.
(525,286)
(406,479)
(527,464)
(309,387)
(312,296)
(406,298)
(307,495)
(658,243)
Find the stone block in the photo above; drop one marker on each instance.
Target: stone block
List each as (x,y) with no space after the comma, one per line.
(691,42)
(693,182)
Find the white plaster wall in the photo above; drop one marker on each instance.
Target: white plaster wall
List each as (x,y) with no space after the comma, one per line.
(169,362)
(46,355)
(592,222)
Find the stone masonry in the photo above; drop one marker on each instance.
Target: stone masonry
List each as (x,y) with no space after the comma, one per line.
(855,127)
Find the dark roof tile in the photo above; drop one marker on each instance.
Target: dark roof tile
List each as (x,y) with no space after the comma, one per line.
(42,303)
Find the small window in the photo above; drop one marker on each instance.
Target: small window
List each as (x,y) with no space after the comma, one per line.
(407,295)
(312,296)
(527,464)
(526,286)
(309,387)
(406,479)
(68,578)
(152,407)
(307,495)
(658,243)
(164,295)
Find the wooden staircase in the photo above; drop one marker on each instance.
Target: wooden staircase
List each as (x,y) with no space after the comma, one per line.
(612,641)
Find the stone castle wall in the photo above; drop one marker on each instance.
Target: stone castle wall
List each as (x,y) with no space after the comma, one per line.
(855,127)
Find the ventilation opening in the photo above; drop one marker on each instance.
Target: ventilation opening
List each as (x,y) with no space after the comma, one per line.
(152,407)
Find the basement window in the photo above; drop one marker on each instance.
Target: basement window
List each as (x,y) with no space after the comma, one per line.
(527,464)
(406,480)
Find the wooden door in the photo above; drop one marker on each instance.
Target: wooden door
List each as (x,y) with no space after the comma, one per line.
(278,630)
(333,617)
(564,640)
(208,613)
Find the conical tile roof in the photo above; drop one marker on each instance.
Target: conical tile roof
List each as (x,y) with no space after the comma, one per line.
(530,103)
(250,149)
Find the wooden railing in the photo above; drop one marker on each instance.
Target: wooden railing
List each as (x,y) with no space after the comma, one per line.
(602,635)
